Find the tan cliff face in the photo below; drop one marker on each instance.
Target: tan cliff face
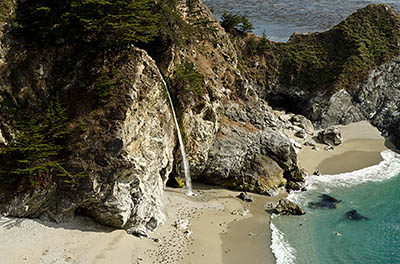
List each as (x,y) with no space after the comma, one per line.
(229,98)
(143,140)
(125,148)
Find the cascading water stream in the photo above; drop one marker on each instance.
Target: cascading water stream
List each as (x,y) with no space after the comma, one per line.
(188,180)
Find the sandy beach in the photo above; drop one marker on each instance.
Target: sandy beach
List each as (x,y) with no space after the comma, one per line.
(213,227)
(361,147)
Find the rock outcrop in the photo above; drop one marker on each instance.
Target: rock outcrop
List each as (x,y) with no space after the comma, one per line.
(127,153)
(286,207)
(360,86)
(245,158)
(355,216)
(331,136)
(326,202)
(125,149)
(232,136)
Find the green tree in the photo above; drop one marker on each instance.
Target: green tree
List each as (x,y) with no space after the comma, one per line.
(115,22)
(230,21)
(108,23)
(264,43)
(35,154)
(187,78)
(245,25)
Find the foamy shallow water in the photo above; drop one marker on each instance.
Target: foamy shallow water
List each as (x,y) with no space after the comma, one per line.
(311,238)
(280,18)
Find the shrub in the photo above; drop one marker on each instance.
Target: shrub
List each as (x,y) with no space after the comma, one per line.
(106,23)
(230,21)
(187,78)
(35,155)
(240,23)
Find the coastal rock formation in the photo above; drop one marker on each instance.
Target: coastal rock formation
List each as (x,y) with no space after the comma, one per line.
(126,153)
(326,202)
(356,86)
(121,144)
(354,215)
(232,136)
(331,136)
(286,207)
(245,158)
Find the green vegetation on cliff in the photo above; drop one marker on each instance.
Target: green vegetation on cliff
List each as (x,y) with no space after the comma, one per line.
(231,21)
(340,58)
(187,78)
(5,8)
(106,23)
(35,155)
(343,56)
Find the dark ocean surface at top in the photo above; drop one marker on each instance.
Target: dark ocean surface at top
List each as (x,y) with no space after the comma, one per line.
(280,18)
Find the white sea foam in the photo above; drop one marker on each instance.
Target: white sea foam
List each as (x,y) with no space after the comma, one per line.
(388,168)
(282,250)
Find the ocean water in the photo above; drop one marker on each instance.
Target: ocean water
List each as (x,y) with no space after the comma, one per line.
(325,235)
(280,18)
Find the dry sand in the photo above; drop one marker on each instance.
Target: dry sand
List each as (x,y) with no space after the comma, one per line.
(219,229)
(361,148)
(222,229)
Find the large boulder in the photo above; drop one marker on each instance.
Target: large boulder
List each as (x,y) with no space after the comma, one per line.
(286,207)
(331,136)
(302,122)
(326,202)
(246,158)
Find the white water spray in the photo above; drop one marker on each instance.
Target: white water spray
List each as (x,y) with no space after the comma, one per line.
(188,180)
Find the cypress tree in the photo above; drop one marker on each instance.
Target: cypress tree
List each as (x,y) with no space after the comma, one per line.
(107,23)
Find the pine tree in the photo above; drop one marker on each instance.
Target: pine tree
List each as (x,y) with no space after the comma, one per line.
(245,25)
(107,23)
(35,154)
(230,21)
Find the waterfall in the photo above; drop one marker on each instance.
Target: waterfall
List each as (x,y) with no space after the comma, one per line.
(188,180)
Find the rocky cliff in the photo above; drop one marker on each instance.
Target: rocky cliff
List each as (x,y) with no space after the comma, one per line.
(106,135)
(344,75)
(124,149)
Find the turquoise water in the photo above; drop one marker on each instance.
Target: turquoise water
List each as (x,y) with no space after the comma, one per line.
(326,236)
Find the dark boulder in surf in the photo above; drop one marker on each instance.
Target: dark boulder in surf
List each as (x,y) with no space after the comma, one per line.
(326,202)
(354,215)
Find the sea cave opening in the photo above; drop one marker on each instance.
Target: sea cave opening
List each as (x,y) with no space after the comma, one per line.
(285,102)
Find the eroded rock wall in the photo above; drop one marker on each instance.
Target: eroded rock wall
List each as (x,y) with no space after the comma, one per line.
(126,151)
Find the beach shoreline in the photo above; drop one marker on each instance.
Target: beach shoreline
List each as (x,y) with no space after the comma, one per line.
(213,227)
(362,146)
